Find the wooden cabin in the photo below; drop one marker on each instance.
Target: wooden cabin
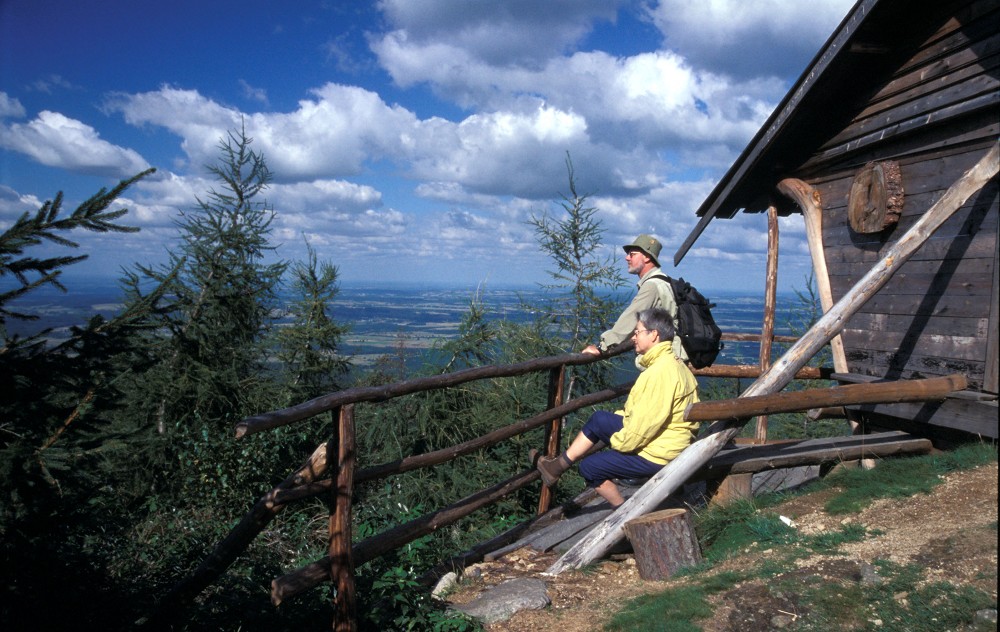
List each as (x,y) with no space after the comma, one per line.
(900,102)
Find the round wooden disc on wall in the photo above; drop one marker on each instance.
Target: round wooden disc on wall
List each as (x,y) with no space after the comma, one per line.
(876,198)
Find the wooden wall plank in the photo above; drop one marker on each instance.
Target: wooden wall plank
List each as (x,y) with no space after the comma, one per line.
(960,266)
(918,343)
(929,325)
(945,306)
(958,94)
(979,245)
(904,284)
(898,365)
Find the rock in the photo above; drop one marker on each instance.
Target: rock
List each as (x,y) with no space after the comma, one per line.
(781,621)
(502,601)
(869,576)
(445,585)
(985,620)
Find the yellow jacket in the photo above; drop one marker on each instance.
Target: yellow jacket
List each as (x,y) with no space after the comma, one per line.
(654,411)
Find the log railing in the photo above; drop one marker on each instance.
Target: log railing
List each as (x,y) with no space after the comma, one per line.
(330,471)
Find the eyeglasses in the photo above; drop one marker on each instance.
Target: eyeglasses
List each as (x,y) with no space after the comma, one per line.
(636,332)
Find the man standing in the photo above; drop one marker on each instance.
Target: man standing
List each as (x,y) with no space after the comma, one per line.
(653,291)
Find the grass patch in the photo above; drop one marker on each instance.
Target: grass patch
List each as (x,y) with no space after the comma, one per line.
(899,478)
(897,602)
(736,527)
(673,610)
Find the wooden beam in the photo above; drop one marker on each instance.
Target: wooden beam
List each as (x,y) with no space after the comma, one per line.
(810,202)
(934,388)
(285,416)
(675,473)
(760,458)
(753,371)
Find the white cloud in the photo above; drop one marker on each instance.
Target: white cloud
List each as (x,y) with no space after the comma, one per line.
(333,134)
(748,37)
(10,107)
(13,205)
(200,122)
(513,32)
(55,140)
(648,132)
(252,93)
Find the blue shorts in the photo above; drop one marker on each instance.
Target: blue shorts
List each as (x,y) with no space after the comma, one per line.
(608,464)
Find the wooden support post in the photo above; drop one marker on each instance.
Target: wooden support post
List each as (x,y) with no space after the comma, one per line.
(730,488)
(675,473)
(811,204)
(557,386)
(663,542)
(341,560)
(770,301)
(809,201)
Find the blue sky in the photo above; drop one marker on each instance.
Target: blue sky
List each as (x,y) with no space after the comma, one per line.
(410,140)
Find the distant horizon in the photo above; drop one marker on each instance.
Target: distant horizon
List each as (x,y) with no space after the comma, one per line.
(69,277)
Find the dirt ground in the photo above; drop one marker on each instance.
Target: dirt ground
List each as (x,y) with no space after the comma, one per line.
(951,533)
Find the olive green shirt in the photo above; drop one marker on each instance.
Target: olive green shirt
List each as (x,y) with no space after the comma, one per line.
(651,293)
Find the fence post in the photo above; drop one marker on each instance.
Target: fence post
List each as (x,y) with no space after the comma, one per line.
(770,299)
(557,386)
(341,560)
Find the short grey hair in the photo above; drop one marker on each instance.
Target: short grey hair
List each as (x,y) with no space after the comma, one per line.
(660,320)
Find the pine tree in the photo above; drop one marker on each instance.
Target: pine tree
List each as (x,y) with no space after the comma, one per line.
(581,301)
(212,343)
(58,438)
(581,280)
(309,347)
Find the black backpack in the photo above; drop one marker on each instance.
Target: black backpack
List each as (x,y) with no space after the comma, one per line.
(701,337)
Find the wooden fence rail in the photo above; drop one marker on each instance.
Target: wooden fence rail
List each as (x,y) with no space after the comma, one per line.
(337,456)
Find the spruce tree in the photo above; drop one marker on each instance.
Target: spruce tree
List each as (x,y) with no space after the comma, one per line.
(309,346)
(59,442)
(211,344)
(582,300)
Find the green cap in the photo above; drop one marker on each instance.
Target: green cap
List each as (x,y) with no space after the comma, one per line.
(647,244)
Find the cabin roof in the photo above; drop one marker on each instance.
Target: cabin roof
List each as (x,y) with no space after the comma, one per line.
(870,44)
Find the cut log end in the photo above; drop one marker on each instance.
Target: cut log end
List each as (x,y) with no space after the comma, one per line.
(663,542)
(876,198)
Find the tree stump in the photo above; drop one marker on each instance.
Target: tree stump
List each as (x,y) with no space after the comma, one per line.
(663,543)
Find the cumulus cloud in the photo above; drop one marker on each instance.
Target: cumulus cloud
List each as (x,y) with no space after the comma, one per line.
(55,140)
(332,134)
(515,88)
(514,32)
(743,39)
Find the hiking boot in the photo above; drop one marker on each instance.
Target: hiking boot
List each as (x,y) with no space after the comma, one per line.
(552,467)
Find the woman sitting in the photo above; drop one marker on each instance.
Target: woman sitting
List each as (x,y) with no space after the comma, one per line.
(651,429)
